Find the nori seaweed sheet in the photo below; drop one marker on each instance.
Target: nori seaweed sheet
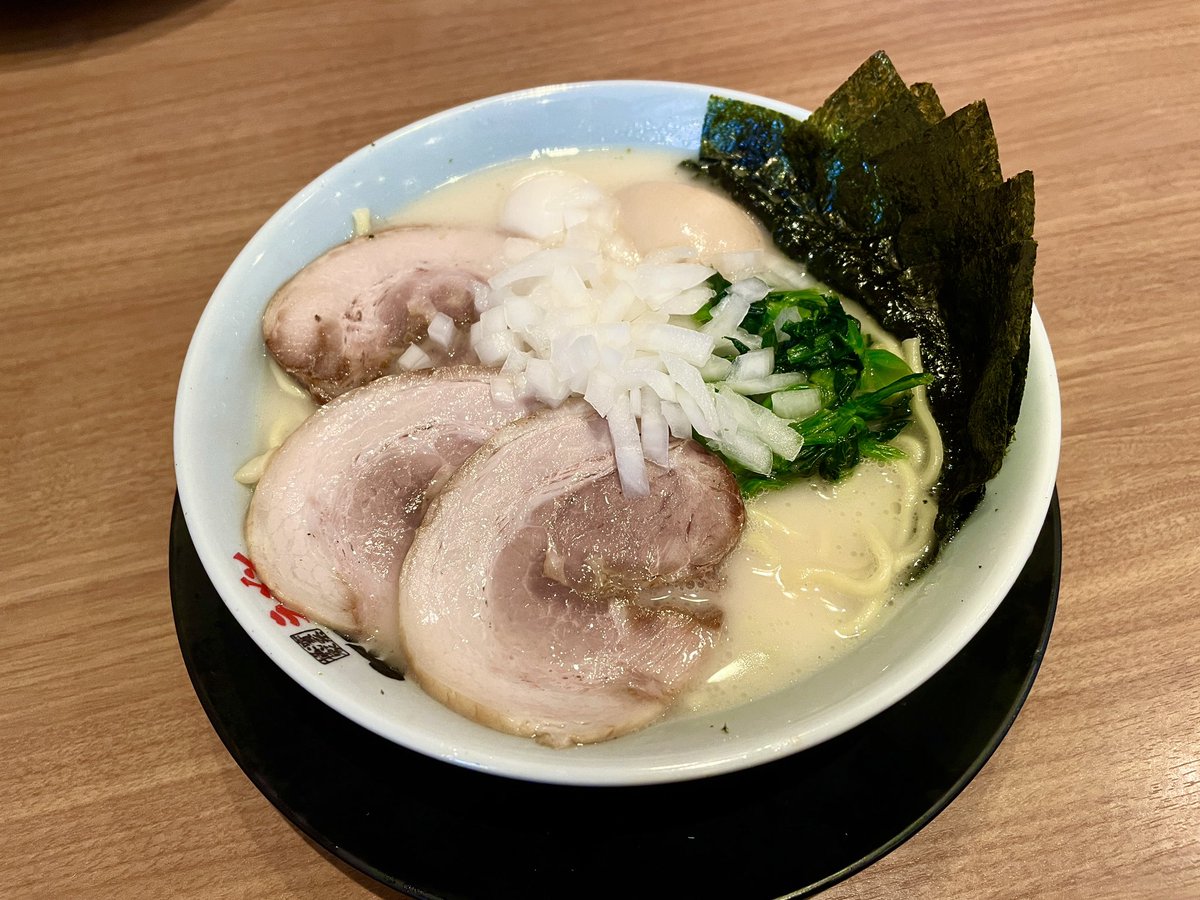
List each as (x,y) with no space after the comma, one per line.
(904,209)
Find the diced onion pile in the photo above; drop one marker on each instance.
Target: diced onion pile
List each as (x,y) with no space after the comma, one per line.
(580,313)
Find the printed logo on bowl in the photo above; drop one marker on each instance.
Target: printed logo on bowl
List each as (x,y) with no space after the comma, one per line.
(318,643)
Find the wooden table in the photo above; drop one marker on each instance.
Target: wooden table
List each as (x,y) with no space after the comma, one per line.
(142,143)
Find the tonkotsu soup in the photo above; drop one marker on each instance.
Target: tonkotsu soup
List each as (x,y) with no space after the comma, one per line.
(820,563)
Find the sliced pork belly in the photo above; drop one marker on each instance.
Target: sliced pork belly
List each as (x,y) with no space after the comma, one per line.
(335,511)
(532,595)
(346,316)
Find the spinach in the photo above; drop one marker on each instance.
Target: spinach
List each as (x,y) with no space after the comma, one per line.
(718,284)
(864,389)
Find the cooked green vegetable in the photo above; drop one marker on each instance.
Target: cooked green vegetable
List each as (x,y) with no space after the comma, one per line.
(905,210)
(863,389)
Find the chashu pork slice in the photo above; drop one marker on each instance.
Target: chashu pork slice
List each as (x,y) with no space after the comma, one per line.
(532,597)
(334,514)
(348,315)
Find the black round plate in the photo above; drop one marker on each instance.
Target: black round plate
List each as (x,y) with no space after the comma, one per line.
(787,828)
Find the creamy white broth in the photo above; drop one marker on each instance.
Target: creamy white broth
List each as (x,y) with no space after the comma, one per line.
(818,568)
(819,565)
(477,199)
(281,408)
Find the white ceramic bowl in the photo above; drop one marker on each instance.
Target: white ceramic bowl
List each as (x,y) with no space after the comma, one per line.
(216,424)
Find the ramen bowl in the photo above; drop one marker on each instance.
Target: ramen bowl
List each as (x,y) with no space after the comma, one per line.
(217,427)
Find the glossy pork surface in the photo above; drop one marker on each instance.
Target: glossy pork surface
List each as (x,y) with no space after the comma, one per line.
(539,600)
(348,315)
(334,514)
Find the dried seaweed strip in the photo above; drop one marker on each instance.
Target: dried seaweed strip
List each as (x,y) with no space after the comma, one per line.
(1007,270)
(897,120)
(928,101)
(903,209)
(749,142)
(940,167)
(873,86)
(1000,215)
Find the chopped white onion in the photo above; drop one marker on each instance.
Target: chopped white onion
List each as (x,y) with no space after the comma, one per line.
(686,302)
(753,365)
(541,264)
(578,312)
(502,391)
(521,313)
(656,284)
(797,404)
(745,338)
(442,331)
(759,422)
(492,349)
(680,424)
(414,358)
(786,316)
(717,368)
(656,435)
(694,389)
(747,450)
(753,387)
(728,314)
(543,382)
(494,320)
(515,362)
(691,346)
(601,392)
(627,444)
(736,265)
(659,382)
(695,417)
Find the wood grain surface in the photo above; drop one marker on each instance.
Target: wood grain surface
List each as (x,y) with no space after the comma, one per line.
(142,143)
